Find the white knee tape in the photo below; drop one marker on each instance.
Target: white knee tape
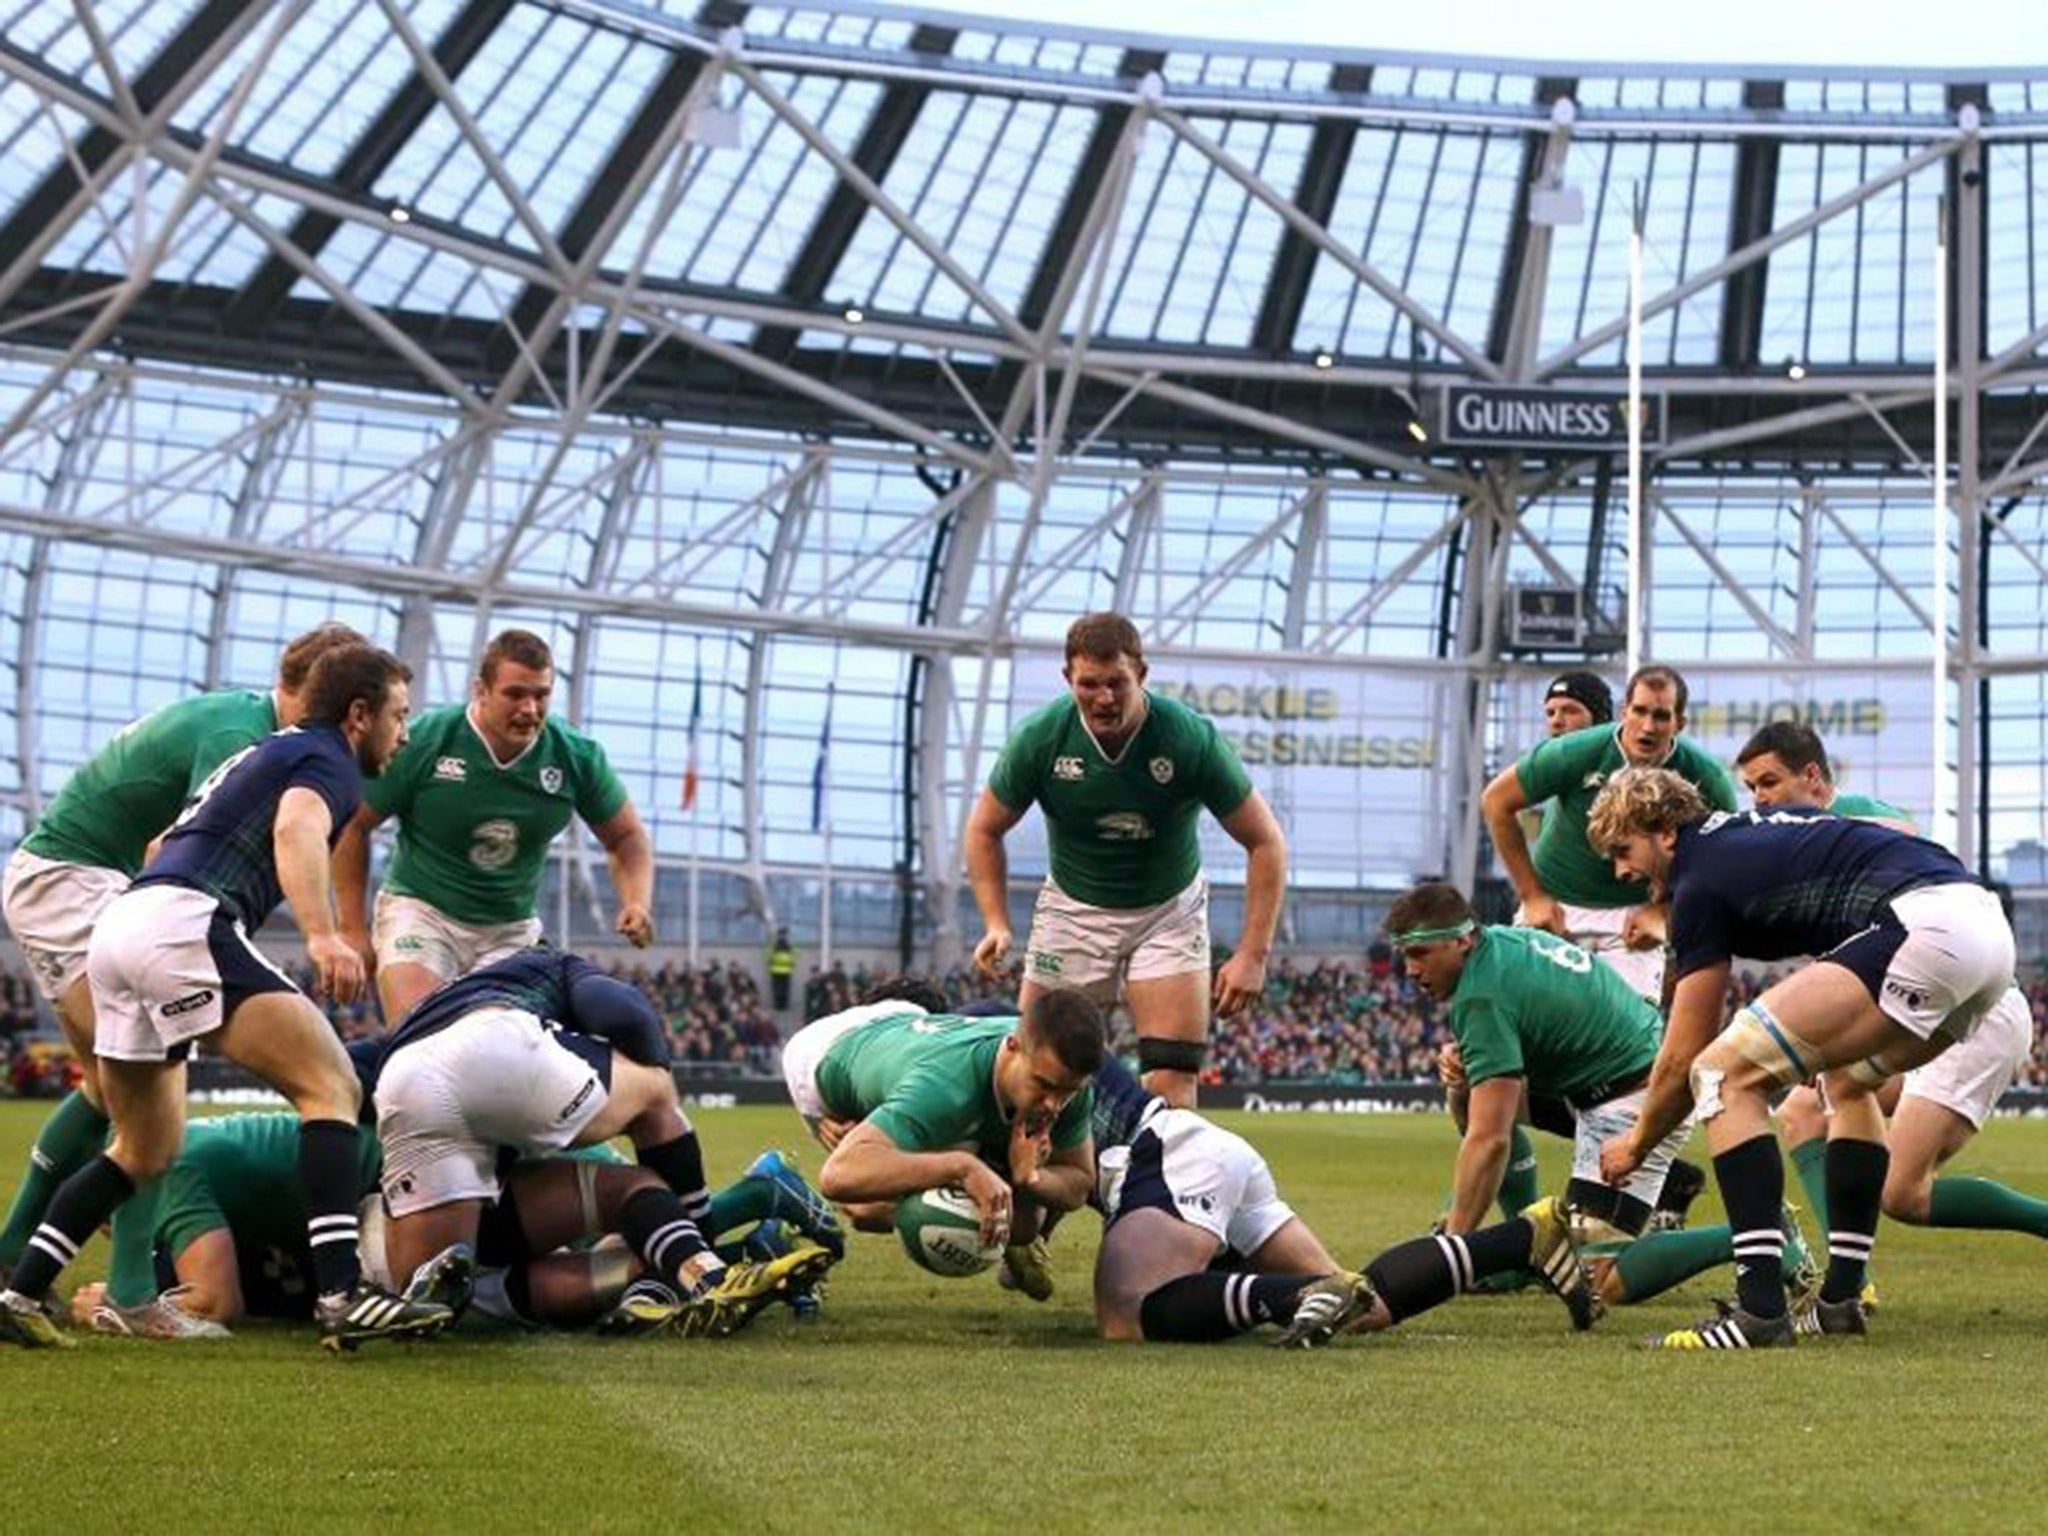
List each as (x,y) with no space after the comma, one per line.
(1706,1090)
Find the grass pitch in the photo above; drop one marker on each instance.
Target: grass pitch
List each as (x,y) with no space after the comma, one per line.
(917,1404)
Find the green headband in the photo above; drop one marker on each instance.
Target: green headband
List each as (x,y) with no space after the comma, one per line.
(1433,935)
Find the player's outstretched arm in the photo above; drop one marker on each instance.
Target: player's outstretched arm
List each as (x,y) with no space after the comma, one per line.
(1502,804)
(351,874)
(988,875)
(630,853)
(1697,1005)
(867,1166)
(1491,1110)
(299,839)
(1254,828)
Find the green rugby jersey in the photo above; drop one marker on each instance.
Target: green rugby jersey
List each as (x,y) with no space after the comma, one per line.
(134,786)
(1867,808)
(1568,771)
(1122,830)
(473,833)
(928,1081)
(1530,1005)
(239,1173)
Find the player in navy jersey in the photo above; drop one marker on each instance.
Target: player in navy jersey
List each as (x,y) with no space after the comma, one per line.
(1912,953)
(533,1054)
(172,961)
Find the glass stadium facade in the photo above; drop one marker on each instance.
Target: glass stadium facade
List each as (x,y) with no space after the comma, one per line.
(802,373)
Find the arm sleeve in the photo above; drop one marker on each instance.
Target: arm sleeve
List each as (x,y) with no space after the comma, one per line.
(335,778)
(1698,932)
(1487,1040)
(1014,779)
(1551,767)
(1225,785)
(620,1014)
(600,795)
(924,1114)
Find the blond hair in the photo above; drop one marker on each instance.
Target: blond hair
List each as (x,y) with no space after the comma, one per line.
(1639,800)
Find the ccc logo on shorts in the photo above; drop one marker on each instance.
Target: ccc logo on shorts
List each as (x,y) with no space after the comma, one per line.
(494,844)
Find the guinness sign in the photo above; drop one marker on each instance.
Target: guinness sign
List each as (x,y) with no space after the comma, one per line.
(1476,416)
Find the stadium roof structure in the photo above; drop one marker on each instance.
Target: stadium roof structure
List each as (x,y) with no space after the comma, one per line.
(716,322)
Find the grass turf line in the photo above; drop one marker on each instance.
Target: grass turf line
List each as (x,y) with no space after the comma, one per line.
(925,1404)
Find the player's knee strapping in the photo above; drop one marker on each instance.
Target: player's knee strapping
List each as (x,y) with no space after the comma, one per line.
(1161,1055)
(1758,1037)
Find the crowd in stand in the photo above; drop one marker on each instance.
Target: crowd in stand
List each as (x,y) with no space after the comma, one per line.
(1321,1020)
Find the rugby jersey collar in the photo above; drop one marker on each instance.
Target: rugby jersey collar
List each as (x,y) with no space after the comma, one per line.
(469,719)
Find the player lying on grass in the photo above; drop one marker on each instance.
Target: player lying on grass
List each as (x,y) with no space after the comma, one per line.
(533,1054)
(1913,954)
(222,1236)
(909,1098)
(1198,1246)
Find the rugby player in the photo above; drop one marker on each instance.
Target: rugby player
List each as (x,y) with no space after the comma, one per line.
(480,793)
(1912,954)
(908,1099)
(533,1054)
(1198,1246)
(1122,777)
(222,1235)
(1565,886)
(1934,1110)
(88,845)
(171,961)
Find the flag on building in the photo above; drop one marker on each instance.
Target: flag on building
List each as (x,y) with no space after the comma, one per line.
(822,769)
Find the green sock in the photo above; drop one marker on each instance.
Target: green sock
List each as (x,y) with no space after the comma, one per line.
(1519,1186)
(1985,1203)
(1653,1264)
(1810,1162)
(70,1138)
(740,1202)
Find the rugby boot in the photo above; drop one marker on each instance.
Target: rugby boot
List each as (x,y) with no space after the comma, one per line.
(1324,1309)
(1554,1255)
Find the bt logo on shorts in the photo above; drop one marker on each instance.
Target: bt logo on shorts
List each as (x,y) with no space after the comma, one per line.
(1068,768)
(1206,1204)
(1911,996)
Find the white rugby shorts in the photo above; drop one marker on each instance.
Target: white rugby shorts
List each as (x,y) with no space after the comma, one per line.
(1192,1168)
(51,908)
(1969,1078)
(496,1078)
(1597,930)
(1075,945)
(1955,964)
(408,931)
(1612,1118)
(167,965)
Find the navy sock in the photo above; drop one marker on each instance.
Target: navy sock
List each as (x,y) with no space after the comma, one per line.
(1426,1272)
(1208,1307)
(82,1203)
(680,1165)
(656,1227)
(1855,1172)
(328,1178)
(1752,1179)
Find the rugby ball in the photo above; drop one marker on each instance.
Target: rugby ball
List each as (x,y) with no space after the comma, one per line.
(941,1231)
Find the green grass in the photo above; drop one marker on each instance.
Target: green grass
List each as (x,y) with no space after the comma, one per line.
(924,1405)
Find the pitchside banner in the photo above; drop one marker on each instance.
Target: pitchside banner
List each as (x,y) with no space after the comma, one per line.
(1349,760)
(1877,726)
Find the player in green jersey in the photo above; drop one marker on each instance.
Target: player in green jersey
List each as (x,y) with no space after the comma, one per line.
(480,793)
(1564,886)
(1122,777)
(909,1100)
(93,839)
(1535,1014)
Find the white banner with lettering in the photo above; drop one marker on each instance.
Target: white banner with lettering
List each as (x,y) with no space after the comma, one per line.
(1349,759)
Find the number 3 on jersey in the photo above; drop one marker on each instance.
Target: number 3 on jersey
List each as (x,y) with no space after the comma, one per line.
(494,844)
